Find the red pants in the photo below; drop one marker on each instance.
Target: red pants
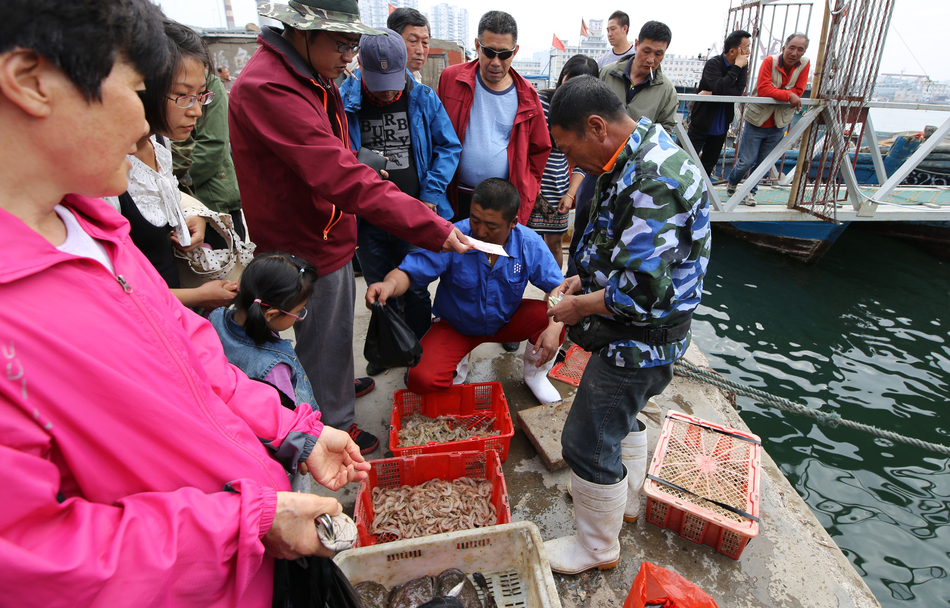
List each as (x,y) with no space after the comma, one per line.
(443,347)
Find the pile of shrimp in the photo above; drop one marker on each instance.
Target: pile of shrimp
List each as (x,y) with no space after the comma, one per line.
(433,507)
(418,429)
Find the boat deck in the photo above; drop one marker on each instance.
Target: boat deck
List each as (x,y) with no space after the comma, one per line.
(906,203)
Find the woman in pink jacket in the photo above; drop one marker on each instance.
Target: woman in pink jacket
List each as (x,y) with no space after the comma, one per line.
(137,466)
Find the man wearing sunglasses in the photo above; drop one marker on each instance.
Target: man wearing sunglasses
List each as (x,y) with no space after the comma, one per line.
(498,118)
(302,187)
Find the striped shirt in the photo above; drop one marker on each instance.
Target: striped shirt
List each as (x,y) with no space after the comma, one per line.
(556,177)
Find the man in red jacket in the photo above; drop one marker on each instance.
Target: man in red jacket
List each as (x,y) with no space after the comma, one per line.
(301,185)
(497,116)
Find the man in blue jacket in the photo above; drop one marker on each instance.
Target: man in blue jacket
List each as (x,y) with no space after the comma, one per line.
(392,114)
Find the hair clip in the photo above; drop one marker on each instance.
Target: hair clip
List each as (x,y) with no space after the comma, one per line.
(257,300)
(302,270)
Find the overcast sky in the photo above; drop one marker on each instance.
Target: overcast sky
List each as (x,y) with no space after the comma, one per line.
(696,25)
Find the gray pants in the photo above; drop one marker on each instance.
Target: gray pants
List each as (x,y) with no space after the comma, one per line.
(325,346)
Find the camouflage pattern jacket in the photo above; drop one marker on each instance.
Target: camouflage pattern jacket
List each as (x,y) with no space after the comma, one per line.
(647,244)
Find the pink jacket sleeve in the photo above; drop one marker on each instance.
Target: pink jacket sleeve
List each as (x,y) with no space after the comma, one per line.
(146,549)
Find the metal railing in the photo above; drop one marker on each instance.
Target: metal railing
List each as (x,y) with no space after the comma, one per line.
(863,205)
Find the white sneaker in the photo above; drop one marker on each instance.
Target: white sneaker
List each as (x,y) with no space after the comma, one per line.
(749,200)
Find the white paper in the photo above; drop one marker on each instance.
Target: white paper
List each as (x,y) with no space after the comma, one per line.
(488,247)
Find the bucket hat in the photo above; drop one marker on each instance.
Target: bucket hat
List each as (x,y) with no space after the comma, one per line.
(383,62)
(329,15)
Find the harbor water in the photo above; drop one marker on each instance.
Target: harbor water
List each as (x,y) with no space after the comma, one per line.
(865,334)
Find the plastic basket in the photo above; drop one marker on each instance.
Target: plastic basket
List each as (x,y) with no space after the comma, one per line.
(572,367)
(469,404)
(696,465)
(414,470)
(511,556)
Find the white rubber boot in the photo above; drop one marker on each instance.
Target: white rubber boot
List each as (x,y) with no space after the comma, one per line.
(461,372)
(598,511)
(537,377)
(634,455)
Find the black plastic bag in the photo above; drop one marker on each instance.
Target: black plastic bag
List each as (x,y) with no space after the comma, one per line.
(318,584)
(389,341)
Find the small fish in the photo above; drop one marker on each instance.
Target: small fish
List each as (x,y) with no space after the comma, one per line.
(489,598)
(413,594)
(372,594)
(449,580)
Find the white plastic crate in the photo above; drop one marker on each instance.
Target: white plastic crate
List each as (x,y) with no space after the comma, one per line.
(511,556)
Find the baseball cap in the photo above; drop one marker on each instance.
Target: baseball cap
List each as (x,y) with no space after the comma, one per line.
(329,15)
(383,62)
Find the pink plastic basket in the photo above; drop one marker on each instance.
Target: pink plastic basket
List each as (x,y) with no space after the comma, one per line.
(703,482)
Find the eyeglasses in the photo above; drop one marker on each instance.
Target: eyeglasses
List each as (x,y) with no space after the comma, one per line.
(492,53)
(186,101)
(299,317)
(345,47)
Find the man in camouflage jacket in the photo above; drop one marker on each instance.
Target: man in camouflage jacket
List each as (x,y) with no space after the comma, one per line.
(641,263)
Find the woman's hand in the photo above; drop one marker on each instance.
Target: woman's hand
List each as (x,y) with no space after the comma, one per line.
(335,460)
(294,531)
(196,227)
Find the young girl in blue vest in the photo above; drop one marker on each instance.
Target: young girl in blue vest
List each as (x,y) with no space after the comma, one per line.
(274,288)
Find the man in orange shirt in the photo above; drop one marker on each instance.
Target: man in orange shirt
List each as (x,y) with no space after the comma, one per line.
(783,78)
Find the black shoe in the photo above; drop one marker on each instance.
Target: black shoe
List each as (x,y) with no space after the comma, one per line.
(367,442)
(364,385)
(374,370)
(511,347)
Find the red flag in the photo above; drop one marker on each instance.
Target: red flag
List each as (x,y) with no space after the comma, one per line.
(556,43)
(584,31)
(391,8)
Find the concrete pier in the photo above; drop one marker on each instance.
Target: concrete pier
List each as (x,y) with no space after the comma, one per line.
(792,563)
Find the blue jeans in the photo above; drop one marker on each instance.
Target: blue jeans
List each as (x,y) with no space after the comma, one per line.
(604,411)
(379,253)
(756,144)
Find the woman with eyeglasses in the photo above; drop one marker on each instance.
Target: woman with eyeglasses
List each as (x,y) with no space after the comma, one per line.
(173,101)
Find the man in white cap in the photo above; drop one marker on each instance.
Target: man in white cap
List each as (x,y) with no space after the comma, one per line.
(392,114)
(301,185)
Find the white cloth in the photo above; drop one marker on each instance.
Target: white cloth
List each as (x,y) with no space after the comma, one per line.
(155,193)
(79,243)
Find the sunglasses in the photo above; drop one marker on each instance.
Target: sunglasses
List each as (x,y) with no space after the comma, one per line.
(492,53)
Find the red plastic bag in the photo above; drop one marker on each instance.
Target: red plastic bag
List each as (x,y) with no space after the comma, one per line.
(656,586)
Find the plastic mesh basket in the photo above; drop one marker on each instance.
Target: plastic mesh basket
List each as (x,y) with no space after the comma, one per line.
(511,556)
(414,470)
(469,405)
(572,367)
(704,483)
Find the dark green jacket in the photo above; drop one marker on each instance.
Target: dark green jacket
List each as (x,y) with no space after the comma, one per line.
(212,170)
(657,101)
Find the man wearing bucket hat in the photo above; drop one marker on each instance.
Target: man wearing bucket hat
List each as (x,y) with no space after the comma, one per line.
(302,187)
(392,114)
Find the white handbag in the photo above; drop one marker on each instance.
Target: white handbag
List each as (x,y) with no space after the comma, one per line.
(204,264)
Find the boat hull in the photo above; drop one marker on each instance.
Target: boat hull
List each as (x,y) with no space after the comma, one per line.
(932,237)
(804,241)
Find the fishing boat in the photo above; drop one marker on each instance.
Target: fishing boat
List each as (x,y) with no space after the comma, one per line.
(820,181)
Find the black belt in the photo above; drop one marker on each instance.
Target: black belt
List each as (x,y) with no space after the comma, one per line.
(647,334)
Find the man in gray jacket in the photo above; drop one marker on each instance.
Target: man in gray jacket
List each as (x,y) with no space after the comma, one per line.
(638,81)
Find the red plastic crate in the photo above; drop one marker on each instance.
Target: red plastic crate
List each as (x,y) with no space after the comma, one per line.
(572,367)
(469,404)
(710,464)
(412,471)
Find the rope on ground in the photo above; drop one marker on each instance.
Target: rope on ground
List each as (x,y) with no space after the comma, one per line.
(827,418)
